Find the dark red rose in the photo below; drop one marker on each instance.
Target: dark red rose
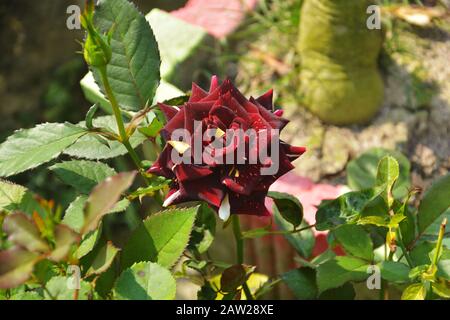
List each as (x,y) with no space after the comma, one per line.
(229,180)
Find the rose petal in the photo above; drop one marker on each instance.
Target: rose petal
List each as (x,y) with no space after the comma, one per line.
(186,172)
(249,205)
(214,83)
(266,100)
(197,93)
(169,111)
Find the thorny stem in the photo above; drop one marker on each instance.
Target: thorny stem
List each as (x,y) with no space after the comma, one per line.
(292,231)
(240,251)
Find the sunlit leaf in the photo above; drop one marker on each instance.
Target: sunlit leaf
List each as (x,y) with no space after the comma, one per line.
(145,281)
(161,238)
(29,148)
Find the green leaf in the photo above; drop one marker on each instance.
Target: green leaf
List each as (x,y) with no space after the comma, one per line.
(340,270)
(434,203)
(103,259)
(345,292)
(302,282)
(145,281)
(133,71)
(88,243)
(161,238)
(17,198)
(303,242)
(442,289)
(88,147)
(355,241)
(23,232)
(65,238)
(74,216)
(414,292)
(394,271)
(204,229)
(153,129)
(387,174)
(344,209)
(27,296)
(11,195)
(58,288)
(289,207)
(374,220)
(82,175)
(420,253)
(362,171)
(104,197)
(444,269)
(16,265)
(29,148)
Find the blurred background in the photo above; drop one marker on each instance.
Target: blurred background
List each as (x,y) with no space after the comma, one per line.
(263,44)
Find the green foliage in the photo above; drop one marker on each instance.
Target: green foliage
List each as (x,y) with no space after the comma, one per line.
(90,147)
(103,259)
(347,208)
(29,148)
(134,69)
(302,282)
(362,171)
(131,256)
(161,238)
(204,230)
(387,174)
(355,241)
(434,203)
(394,271)
(303,242)
(82,175)
(57,289)
(288,206)
(340,270)
(145,281)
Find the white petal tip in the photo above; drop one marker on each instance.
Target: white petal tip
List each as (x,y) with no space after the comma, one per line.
(225,210)
(170,199)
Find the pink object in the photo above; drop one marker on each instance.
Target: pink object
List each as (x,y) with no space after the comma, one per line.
(273,254)
(218,17)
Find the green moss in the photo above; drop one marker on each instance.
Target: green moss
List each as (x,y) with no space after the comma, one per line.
(340,81)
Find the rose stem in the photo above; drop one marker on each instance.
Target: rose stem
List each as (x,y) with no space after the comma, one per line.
(120,125)
(240,250)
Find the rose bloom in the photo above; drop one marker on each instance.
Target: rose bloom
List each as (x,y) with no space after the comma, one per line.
(229,188)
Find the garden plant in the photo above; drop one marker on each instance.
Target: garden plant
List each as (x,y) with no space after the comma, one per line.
(385,235)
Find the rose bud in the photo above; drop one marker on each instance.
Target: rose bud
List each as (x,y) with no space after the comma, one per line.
(224,149)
